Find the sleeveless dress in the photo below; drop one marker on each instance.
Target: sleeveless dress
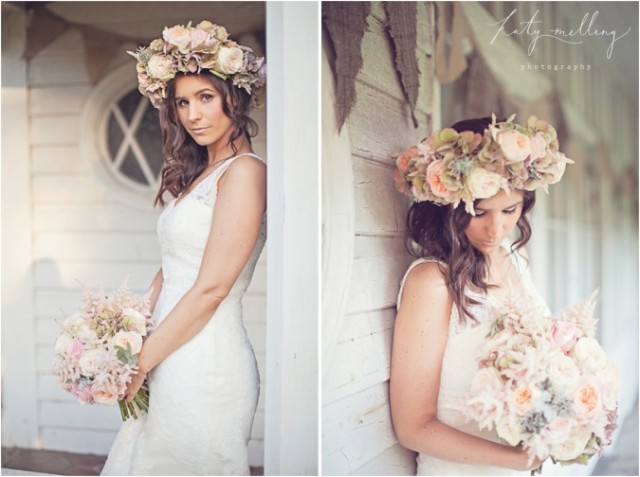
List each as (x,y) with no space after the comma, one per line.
(203,396)
(458,368)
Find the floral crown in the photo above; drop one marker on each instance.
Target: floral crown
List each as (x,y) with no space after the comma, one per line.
(205,47)
(450,167)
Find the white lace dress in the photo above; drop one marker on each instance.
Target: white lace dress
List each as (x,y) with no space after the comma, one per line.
(203,396)
(458,367)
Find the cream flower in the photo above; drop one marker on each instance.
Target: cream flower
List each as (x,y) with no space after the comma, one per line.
(62,344)
(133,320)
(90,361)
(589,354)
(482,183)
(563,372)
(230,60)
(160,68)
(131,338)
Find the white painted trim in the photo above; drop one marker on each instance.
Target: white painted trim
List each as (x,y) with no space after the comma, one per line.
(19,387)
(291,399)
(92,135)
(338,217)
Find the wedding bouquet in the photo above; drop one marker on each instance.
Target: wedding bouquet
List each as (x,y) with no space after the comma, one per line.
(96,354)
(546,383)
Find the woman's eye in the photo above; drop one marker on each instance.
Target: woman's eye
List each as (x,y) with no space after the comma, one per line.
(181,103)
(207,97)
(510,211)
(480,214)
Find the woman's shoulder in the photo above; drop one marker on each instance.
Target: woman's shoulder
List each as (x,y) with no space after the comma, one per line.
(424,277)
(245,166)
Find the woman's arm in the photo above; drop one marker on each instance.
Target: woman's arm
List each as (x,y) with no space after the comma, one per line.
(237,218)
(419,339)
(154,289)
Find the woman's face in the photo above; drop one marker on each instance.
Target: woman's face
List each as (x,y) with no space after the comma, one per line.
(494,220)
(199,107)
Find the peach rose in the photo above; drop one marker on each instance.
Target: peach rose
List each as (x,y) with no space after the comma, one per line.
(104,393)
(178,36)
(130,338)
(434,179)
(587,399)
(515,146)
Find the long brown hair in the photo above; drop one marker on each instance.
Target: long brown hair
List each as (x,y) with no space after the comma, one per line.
(184,158)
(438,232)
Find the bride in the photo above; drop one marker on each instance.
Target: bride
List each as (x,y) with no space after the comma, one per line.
(198,362)
(466,269)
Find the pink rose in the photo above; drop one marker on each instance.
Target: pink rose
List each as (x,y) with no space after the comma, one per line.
(178,36)
(83,395)
(75,349)
(434,179)
(104,393)
(538,146)
(198,38)
(515,146)
(565,334)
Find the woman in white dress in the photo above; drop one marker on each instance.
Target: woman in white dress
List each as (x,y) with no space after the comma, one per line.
(198,362)
(466,269)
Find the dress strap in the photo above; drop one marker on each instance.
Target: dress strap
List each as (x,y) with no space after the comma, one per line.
(414,264)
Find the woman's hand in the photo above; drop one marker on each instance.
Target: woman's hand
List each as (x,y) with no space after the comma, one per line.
(524,460)
(134,386)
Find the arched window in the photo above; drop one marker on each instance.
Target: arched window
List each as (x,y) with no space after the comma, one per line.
(133,140)
(120,135)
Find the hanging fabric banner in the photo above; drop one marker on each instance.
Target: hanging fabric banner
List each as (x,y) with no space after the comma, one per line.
(44,27)
(402,20)
(346,23)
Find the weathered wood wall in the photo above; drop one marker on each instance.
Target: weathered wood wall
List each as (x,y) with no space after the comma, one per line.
(358,437)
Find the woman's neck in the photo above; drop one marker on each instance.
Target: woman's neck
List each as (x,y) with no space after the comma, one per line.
(216,154)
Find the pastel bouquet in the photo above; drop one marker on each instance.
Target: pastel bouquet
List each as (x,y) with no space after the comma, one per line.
(546,384)
(96,353)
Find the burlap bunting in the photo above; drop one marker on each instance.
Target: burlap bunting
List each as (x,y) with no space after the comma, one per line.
(346,23)
(402,21)
(44,27)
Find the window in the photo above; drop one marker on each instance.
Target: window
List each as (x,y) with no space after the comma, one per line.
(120,135)
(134,141)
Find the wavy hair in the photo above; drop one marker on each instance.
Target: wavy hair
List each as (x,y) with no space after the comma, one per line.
(438,232)
(184,158)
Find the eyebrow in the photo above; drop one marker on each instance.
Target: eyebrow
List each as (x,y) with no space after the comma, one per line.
(203,90)
(504,208)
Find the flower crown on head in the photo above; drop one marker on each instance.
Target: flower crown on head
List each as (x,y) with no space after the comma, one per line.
(449,167)
(188,49)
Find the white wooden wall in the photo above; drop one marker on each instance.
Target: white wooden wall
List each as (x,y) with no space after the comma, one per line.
(79,228)
(357,435)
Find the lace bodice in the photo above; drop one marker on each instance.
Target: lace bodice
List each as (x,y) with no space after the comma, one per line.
(183,230)
(459,364)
